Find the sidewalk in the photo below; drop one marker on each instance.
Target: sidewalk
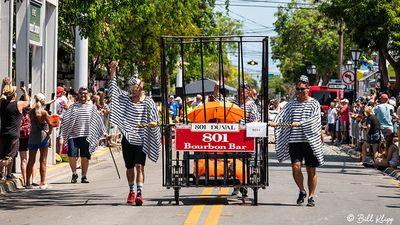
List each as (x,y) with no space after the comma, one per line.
(347,150)
(100,154)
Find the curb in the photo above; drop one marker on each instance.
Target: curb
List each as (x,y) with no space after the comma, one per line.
(10,185)
(344,150)
(53,170)
(395,173)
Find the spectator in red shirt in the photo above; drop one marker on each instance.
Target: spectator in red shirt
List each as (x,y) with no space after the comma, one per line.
(25,130)
(344,121)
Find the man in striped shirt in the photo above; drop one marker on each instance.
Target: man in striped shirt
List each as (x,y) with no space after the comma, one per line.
(138,142)
(81,127)
(302,139)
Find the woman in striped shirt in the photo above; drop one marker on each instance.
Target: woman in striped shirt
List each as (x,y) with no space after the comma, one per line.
(138,142)
(303,139)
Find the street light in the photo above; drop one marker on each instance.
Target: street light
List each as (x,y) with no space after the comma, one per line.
(355,56)
(311,72)
(252,62)
(349,65)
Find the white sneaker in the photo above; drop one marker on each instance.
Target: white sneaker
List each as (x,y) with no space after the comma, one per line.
(44,187)
(29,187)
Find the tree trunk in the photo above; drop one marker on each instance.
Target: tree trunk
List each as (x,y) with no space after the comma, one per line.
(340,57)
(383,70)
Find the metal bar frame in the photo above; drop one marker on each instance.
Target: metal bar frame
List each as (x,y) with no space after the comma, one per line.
(188,179)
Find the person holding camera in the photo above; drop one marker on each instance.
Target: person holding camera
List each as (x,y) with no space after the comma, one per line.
(10,114)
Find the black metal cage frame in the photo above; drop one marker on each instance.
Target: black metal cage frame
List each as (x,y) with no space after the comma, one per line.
(176,166)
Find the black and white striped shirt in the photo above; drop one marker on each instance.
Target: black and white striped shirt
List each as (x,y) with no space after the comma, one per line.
(297,135)
(310,118)
(252,113)
(83,120)
(127,115)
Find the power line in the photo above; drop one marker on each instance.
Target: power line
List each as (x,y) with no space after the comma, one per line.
(245,18)
(269,1)
(265,6)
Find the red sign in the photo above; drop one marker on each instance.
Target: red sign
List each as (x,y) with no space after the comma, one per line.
(187,139)
(348,77)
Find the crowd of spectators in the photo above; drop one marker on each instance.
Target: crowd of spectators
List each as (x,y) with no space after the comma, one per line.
(369,125)
(62,101)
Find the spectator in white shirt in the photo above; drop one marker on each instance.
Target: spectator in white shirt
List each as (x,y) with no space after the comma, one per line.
(332,116)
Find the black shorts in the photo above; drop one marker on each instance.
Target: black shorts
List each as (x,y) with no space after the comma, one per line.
(133,154)
(374,138)
(8,147)
(300,151)
(78,147)
(23,144)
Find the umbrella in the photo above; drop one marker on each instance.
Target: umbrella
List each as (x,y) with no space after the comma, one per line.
(195,88)
(215,110)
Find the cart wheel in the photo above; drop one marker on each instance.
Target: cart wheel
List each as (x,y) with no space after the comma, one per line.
(176,190)
(255,199)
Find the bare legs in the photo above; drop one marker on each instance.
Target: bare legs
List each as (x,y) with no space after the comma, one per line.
(130,174)
(365,146)
(31,164)
(298,178)
(84,165)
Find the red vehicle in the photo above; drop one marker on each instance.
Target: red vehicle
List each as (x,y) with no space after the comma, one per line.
(325,96)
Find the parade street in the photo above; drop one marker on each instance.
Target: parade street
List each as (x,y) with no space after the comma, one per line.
(347,193)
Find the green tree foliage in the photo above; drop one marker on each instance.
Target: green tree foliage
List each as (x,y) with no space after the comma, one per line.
(374,25)
(305,37)
(130,31)
(278,85)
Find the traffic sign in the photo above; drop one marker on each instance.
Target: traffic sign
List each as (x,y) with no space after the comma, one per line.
(348,77)
(337,86)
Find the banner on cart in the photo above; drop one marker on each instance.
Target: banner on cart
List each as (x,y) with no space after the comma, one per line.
(213,140)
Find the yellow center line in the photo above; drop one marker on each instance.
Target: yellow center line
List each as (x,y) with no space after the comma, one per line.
(216,210)
(196,211)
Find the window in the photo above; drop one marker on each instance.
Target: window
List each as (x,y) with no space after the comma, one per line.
(324,97)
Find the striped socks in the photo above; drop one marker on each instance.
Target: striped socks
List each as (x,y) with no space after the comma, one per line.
(132,187)
(139,188)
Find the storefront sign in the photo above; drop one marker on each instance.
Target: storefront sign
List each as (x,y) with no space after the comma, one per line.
(213,138)
(34,23)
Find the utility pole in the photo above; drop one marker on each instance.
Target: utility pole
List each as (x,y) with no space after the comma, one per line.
(10,43)
(340,32)
(81,60)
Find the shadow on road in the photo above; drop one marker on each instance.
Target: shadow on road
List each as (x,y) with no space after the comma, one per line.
(192,200)
(37,198)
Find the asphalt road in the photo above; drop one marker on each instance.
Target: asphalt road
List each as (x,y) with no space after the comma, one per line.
(347,193)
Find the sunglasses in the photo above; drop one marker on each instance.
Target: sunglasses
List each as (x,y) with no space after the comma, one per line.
(300,89)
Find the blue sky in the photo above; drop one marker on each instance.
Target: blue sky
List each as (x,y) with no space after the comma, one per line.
(256,21)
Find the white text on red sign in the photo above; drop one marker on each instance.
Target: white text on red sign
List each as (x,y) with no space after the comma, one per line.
(214,127)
